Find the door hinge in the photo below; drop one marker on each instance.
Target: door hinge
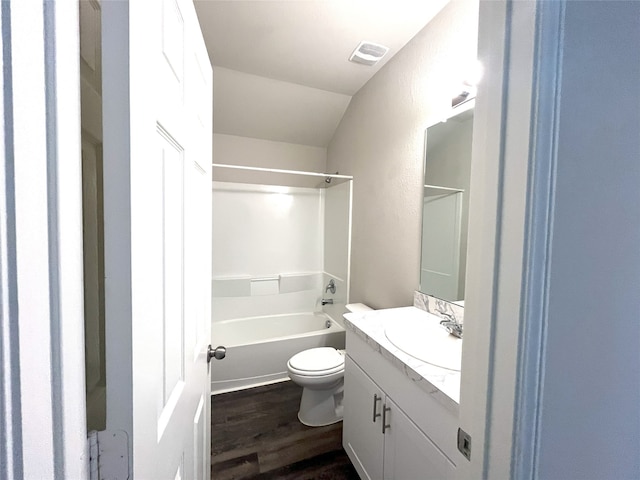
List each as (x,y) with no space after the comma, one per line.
(464,443)
(108,455)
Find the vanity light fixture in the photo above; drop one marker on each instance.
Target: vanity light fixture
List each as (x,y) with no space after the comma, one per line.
(469,87)
(368,53)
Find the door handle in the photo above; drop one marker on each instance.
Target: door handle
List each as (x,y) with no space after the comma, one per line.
(376,399)
(385,425)
(218,353)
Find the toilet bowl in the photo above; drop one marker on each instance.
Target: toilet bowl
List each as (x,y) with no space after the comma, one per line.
(320,371)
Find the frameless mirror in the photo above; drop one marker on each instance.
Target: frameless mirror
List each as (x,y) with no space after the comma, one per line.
(446,206)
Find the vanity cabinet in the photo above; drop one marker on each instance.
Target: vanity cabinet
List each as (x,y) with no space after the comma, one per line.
(362,425)
(380,436)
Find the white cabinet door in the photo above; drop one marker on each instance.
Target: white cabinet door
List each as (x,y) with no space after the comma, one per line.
(408,453)
(157,104)
(362,437)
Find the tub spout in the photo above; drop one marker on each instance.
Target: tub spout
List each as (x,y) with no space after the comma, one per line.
(328,301)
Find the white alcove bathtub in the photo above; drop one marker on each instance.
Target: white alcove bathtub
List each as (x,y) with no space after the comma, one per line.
(258,348)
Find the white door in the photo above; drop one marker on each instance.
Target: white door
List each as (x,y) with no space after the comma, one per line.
(157,104)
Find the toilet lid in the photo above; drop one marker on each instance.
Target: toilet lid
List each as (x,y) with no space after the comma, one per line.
(317,359)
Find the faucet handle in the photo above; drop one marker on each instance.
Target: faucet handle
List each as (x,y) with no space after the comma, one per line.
(331,287)
(454,328)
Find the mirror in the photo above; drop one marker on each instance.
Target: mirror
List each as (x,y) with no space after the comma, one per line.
(446,205)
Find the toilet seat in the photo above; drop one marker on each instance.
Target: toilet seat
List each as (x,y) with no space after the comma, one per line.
(317,362)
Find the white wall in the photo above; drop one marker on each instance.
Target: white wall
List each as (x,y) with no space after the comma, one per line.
(276,248)
(262,231)
(265,232)
(259,107)
(380,141)
(254,152)
(591,391)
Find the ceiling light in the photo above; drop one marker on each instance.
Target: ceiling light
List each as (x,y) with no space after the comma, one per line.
(368,53)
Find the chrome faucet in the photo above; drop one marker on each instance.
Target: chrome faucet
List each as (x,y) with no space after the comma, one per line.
(328,301)
(451,324)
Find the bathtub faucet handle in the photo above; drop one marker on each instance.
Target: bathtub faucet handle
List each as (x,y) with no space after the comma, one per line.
(331,287)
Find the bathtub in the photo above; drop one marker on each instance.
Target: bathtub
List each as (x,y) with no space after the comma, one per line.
(258,348)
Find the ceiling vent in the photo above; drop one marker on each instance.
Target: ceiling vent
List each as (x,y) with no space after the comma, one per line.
(368,53)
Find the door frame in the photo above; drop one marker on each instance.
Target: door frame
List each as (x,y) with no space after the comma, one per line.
(41,279)
(509,254)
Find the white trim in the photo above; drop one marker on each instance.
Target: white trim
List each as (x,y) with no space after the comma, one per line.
(62,49)
(515,151)
(10,413)
(277,170)
(41,250)
(117,216)
(483,238)
(539,228)
(349,243)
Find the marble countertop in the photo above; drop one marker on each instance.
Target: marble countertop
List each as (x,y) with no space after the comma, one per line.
(438,382)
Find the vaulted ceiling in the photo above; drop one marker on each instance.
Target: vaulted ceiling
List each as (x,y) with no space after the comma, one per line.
(281,69)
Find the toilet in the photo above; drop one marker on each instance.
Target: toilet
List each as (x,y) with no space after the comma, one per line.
(320,371)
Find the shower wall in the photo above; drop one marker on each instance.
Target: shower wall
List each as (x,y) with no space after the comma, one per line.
(337,246)
(275,248)
(267,249)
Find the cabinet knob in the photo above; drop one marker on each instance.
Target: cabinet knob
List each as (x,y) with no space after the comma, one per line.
(376,399)
(385,425)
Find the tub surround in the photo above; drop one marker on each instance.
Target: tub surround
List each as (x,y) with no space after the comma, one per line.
(246,285)
(277,294)
(439,383)
(340,298)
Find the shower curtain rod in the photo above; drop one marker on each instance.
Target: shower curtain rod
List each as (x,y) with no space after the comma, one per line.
(277,170)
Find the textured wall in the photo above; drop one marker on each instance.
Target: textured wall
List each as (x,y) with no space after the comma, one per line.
(255,152)
(380,141)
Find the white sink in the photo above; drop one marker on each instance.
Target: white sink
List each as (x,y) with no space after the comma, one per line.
(424,339)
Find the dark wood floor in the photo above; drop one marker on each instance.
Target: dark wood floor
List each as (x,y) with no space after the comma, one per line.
(256,434)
